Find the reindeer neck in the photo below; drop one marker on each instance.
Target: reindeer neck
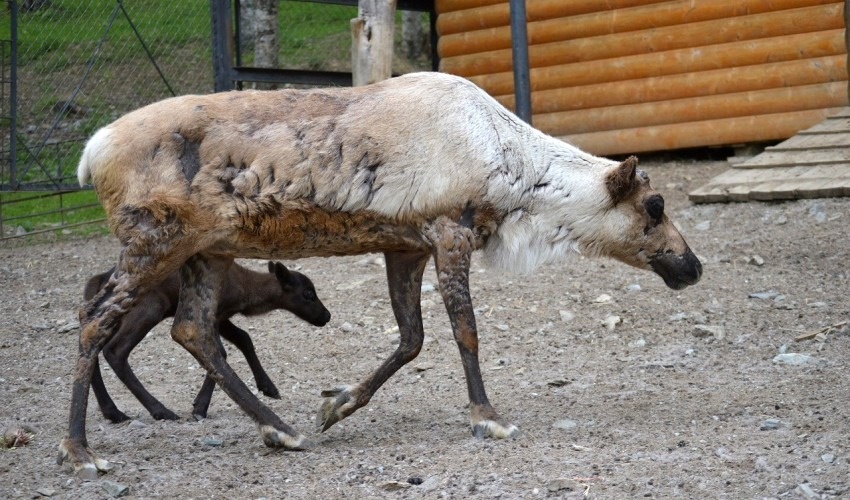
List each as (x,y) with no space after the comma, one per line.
(249,292)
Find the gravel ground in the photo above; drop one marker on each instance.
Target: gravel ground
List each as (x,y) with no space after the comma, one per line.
(622,388)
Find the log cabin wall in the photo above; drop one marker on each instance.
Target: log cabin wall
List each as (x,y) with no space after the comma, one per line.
(626,76)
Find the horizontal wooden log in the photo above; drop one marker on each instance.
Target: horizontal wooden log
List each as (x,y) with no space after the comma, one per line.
(491,16)
(700,34)
(443,6)
(726,131)
(612,21)
(760,102)
(748,52)
(685,85)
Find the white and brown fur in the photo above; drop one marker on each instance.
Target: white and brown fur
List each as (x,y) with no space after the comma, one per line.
(424,165)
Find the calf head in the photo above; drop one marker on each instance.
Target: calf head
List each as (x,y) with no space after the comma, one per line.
(299,295)
(644,237)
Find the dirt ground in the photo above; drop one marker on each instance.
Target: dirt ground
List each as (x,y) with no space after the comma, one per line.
(621,387)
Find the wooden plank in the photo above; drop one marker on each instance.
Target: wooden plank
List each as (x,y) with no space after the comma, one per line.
(672,62)
(570,25)
(696,134)
(790,158)
(483,14)
(656,40)
(692,84)
(778,183)
(711,107)
(823,141)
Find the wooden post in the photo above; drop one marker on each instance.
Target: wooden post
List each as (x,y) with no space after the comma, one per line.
(372,41)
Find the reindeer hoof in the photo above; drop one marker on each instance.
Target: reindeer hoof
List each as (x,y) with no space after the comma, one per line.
(116,417)
(274,438)
(269,390)
(338,404)
(86,464)
(493,429)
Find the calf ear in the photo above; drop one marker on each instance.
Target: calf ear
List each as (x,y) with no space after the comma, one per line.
(621,180)
(280,271)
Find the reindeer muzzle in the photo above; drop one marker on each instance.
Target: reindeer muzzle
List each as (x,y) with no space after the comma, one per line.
(677,270)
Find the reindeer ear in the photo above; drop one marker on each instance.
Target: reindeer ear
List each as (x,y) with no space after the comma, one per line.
(279,270)
(621,180)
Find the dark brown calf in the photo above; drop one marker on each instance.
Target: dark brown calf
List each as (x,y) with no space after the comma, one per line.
(246,292)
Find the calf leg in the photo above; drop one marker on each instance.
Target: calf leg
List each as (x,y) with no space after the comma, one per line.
(117,351)
(404,275)
(453,245)
(240,338)
(194,322)
(104,401)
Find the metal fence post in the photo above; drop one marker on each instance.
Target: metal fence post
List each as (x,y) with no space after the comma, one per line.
(519,51)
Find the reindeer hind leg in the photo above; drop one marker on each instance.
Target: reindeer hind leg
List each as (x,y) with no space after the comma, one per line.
(404,275)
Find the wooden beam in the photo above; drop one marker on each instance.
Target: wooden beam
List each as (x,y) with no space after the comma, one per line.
(372,41)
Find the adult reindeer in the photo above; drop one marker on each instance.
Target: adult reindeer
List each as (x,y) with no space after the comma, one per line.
(424,165)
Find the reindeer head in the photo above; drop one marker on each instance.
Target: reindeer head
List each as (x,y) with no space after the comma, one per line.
(299,295)
(645,237)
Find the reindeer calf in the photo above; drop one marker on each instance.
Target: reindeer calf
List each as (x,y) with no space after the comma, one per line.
(245,292)
(422,166)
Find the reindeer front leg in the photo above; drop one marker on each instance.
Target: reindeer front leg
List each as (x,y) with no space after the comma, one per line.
(194,322)
(453,245)
(404,275)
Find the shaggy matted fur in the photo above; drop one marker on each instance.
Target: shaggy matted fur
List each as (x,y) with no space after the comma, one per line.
(420,166)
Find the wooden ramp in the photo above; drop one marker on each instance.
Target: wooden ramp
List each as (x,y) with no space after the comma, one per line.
(815,163)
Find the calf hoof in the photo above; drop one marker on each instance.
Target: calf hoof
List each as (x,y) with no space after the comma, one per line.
(493,429)
(338,404)
(86,464)
(274,438)
(269,389)
(164,414)
(115,416)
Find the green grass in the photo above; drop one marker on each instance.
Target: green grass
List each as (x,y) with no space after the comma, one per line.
(54,212)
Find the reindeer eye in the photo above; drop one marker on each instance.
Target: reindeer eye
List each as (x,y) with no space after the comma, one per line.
(654,206)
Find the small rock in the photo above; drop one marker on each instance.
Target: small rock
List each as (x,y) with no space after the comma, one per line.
(703,226)
(427,287)
(806,491)
(394,486)
(46,492)
(817,211)
(346,327)
(40,327)
(69,327)
(421,367)
(679,316)
(560,484)
(612,321)
(633,288)
(212,442)
(770,294)
(818,304)
(770,424)
(794,358)
(638,343)
(703,331)
(136,424)
(603,299)
(781,220)
(756,260)
(20,231)
(114,489)
(44,305)
(828,458)
(502,327)
(566,316)
(558,382)
(565,424)
(415,481)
